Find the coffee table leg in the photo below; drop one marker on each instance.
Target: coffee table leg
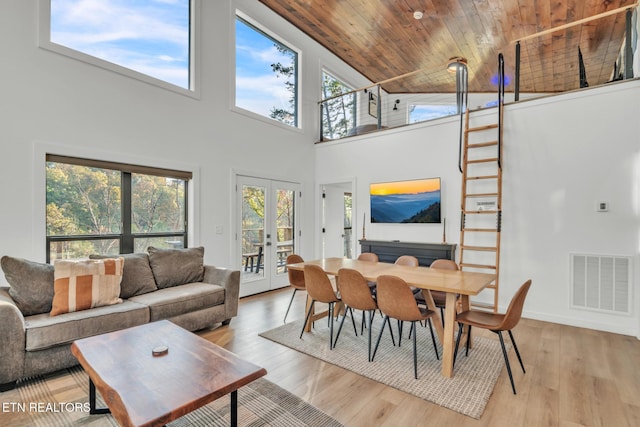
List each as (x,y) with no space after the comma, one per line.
(92,401)
(234,408)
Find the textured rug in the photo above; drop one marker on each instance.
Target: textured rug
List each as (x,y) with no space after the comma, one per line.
(60,399)
(467,392)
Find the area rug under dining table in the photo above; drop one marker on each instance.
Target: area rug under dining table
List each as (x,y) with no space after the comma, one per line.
(467,392)
(60,399)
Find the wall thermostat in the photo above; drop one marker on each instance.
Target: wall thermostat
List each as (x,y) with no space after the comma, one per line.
(603,206)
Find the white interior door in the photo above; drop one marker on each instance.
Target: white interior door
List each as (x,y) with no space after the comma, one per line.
(266,232)
(337,220)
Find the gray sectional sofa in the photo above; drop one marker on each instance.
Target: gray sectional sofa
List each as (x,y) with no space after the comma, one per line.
(171,284)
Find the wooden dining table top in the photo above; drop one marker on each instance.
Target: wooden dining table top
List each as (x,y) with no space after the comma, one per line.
(459,282)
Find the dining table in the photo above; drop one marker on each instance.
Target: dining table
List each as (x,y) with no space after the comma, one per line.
(456,284)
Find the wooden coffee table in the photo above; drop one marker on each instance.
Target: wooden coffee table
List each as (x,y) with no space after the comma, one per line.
(141,389)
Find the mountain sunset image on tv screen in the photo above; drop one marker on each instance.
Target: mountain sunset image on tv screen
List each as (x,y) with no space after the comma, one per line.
(402,202)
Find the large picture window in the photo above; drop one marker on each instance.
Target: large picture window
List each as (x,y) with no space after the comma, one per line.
(266,75)
(150,37)
(96,207)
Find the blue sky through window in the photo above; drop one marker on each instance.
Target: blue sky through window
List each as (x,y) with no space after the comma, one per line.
(258,88)
(148,36)
(421,113)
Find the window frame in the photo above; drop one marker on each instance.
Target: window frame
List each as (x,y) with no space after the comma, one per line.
(126,237)
(356,98)
(44,42)
(238,14)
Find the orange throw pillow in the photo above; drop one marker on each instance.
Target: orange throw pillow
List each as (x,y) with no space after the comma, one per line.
(84,284)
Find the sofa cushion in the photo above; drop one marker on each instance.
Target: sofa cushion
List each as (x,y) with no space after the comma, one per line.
(84,284)
(176,300)
(31,284)
(173,267)
(137,277)
(44,331)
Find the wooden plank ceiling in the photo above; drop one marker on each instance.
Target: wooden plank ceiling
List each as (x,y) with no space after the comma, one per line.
(381,39)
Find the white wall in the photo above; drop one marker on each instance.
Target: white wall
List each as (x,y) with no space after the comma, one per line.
(52,103)
(562,155)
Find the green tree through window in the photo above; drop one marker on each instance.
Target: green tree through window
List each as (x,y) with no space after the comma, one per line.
(338,112)
(109,211)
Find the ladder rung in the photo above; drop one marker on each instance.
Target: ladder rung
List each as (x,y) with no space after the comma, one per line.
(481,128)
(485,230)
(482,144)
(481,212)
(489,160)
(480,248)
(483,177)
(483,195)
(464,264)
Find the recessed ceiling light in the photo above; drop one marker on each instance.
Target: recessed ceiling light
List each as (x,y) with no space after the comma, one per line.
(417,14)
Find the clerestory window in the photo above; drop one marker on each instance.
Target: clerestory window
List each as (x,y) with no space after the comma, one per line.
(146,39)
(266,79)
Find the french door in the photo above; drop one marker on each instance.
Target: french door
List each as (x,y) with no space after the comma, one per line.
(266,232)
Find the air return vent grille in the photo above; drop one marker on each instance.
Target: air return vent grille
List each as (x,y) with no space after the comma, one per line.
(601,282)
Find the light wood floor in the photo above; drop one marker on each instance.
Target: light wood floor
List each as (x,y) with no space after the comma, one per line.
(575,377)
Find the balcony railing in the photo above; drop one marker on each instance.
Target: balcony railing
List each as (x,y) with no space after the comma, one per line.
(374,107)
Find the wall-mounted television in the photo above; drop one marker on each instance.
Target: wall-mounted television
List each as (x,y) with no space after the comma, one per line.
(403,202)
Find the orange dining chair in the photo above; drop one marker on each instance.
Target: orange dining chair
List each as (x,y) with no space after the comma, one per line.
(368,256)
(439,297)
(355,294)
(296,280)
(320,290)
(496,323)
(409,260)
(395,300)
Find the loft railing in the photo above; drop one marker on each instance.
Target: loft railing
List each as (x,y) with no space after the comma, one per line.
(501,80)
(566,57)
(391,103)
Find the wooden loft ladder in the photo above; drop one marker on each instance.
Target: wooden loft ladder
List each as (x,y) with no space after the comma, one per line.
(481,201)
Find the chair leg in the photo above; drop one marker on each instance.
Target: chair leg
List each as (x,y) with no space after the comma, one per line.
(455,353)
(400,324)
(353,320)
(515,347)
(371,313)
(331,309)
(506,361)
(340,328)
(415,351)
(306,320)
(289,307)
(468,341)
(384,322)
(386,319)
(433,339)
